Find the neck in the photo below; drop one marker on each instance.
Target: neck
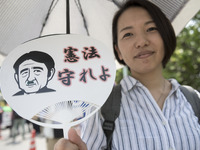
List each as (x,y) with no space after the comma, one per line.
(156,84)
(150,80)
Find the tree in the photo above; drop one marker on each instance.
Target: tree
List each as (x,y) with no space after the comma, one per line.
(184,64)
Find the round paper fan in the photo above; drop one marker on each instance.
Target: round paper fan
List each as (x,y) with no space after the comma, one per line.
(61,78)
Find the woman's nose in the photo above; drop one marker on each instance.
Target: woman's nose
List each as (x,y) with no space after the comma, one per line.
(141,41)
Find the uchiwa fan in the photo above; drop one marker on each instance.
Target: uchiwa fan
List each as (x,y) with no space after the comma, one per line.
(67,104)
(66,114)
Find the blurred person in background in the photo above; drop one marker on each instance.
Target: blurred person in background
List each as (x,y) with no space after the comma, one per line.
(18,121)
(52,136)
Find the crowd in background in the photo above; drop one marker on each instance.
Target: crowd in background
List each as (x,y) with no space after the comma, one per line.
(19,126)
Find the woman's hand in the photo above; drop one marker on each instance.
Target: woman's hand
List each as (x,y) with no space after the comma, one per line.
(73,143)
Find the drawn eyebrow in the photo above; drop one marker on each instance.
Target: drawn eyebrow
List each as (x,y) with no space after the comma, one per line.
(40,68)
(23,70)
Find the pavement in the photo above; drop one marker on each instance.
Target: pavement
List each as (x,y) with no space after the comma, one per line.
(6,142)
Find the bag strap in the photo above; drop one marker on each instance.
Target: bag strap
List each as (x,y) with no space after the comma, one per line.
(110,111)
(192,98)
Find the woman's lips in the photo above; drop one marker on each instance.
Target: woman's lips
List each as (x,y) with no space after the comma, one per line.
(144,54)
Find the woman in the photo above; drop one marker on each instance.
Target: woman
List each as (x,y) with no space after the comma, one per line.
(154,114)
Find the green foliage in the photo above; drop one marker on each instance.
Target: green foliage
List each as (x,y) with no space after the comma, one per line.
(119,75)
(185,62)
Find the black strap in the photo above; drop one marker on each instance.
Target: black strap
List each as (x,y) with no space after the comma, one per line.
(192,98)
(110,111)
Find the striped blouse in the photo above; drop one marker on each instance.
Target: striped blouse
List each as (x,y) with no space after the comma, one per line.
(142,125)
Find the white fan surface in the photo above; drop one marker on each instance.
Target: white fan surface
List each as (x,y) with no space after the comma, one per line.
(65,113)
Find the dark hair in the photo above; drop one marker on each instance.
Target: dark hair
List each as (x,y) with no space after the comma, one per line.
(162,22)
(37,56)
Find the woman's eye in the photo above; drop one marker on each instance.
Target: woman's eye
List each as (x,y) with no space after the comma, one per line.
(127,35)
(152,29)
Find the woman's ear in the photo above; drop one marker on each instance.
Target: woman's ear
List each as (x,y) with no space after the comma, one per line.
(118,52)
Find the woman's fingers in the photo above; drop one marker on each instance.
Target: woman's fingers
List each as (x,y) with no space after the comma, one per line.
(64,144)
(75,138)
(73,143)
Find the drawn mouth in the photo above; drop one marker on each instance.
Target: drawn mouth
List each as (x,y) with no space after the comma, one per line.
(30,84)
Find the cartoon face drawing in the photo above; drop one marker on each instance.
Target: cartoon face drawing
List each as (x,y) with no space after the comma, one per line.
(33,71)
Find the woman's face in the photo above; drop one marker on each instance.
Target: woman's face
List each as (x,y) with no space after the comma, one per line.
(139,42)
